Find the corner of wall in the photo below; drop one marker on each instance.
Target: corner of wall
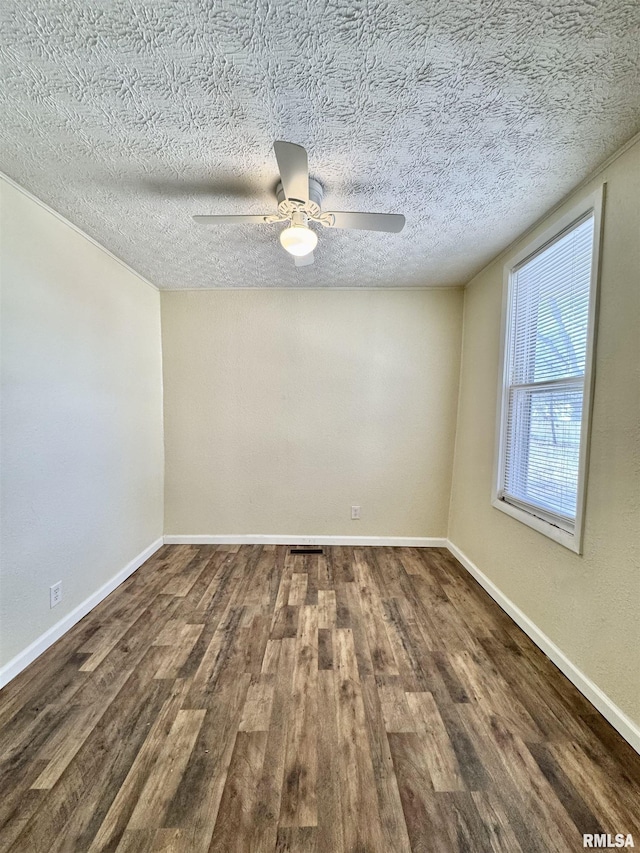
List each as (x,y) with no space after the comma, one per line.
(162,420)
(459,397)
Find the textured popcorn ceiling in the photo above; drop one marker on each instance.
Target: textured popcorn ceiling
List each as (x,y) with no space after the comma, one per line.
(471,118)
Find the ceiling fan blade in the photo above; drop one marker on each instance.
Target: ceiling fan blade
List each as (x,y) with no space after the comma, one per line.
(294,170)
(305,261)
(393,222)
(230,220)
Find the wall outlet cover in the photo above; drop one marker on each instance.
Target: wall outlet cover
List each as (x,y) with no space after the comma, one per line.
(55,593)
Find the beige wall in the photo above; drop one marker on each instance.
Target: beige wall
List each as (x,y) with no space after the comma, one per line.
(284,408)
(588,605)
(81,430)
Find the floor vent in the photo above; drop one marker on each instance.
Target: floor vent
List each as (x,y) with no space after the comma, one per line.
(306,551)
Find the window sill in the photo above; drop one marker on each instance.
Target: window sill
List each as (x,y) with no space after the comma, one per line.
(562,537)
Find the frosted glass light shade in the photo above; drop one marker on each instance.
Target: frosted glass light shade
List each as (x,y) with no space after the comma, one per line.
(298,240)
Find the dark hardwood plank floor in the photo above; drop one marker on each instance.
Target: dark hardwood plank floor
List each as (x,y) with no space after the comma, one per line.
(229,698)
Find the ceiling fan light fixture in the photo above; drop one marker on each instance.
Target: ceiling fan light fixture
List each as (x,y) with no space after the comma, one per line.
(298,240)
(299,200)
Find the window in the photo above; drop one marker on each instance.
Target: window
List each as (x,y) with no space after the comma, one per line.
(545,392)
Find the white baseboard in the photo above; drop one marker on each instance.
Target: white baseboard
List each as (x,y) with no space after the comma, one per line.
(268,539)
(28,655)
(618,719)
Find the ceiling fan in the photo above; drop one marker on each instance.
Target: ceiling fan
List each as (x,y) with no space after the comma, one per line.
(299,198)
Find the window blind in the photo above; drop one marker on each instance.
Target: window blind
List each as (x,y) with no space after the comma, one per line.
(545,376)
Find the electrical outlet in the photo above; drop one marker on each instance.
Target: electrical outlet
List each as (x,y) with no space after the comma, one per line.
(55,592)
(355,512)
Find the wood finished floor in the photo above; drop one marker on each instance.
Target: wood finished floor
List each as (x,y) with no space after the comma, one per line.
(231,698)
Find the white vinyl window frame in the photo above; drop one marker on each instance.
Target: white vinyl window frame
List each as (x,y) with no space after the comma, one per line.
(544,522)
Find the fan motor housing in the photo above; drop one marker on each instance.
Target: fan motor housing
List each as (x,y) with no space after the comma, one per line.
(312,206)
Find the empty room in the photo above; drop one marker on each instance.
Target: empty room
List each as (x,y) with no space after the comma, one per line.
(319,426)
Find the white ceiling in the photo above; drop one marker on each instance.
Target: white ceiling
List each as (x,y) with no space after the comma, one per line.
(472,118)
